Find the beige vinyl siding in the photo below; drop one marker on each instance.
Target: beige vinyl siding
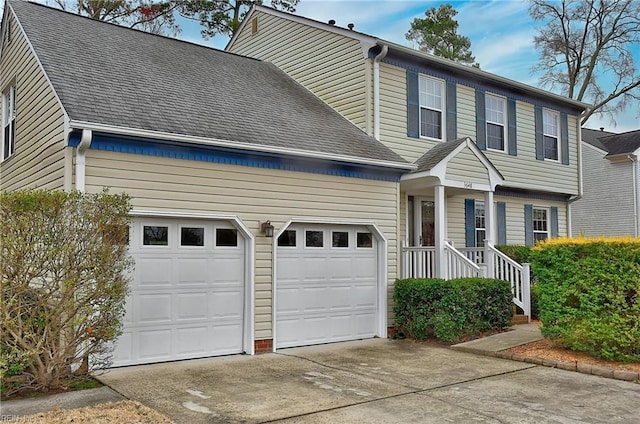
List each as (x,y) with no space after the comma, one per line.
(253,194)
(331,66)
(607,205)
(466,110)
(393,115)
(514,213)
(465,166)
(38,159)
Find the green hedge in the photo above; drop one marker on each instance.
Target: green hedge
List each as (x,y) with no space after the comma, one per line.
(589,295)
(519,253)
(450,310)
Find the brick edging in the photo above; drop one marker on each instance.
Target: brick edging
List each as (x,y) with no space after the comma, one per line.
(583,368)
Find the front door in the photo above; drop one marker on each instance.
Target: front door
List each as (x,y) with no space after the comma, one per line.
(428,236)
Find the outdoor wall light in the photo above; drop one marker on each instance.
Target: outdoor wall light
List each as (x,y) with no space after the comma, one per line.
(267,228)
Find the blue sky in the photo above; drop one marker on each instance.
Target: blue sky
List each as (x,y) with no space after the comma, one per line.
(501,34)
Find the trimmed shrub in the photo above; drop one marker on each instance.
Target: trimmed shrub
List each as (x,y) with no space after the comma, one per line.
(519,253)
(589,295)
(65,271)
(451,310)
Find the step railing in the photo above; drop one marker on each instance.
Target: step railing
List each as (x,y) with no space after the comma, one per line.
(505,268)
(459,265)
(474,254)
(419,262)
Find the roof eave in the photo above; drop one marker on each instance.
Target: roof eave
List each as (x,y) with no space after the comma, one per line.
(134,132)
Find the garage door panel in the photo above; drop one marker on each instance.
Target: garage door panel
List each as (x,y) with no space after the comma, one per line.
(364,295)
(186,301)
(154,271)
(192,271)
(154,308)
(191,306)
(340,268)
(155,344)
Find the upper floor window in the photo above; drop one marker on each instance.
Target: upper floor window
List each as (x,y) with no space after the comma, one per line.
(495,112)
(431,107)
(540,224)
(8,121)
(551,131)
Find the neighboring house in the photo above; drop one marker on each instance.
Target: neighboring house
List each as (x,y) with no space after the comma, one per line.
(477,139)
(610,204)
(219,152)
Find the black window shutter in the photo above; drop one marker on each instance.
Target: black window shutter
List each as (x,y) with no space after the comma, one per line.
(554,221)
(528,225)
(413,104)
(511,133)
(539,133)
(501,223)
(470,222)
(564,138)
(481,127)
(452,111)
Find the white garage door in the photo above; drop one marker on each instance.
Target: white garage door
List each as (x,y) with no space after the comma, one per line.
(326,285)
(187,294)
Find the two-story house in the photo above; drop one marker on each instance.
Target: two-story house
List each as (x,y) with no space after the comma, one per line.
(264,219)
(610,204)
(498,162)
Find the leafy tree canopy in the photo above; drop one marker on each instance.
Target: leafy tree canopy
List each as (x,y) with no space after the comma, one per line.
(586,51)
(437,34)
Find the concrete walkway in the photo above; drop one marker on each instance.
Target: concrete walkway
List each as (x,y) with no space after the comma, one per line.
(519,335)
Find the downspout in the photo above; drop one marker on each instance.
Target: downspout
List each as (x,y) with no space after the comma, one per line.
(635,168)
(81,152)
(376,90)
(580,183)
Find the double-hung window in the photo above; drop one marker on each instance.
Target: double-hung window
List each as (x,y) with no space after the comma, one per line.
(495,110)
(480,224)
(431,107)
(540,224)
(551,129)
(8,122)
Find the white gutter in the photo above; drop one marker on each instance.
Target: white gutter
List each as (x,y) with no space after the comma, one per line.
(81,151)
(376,91)
(234,144)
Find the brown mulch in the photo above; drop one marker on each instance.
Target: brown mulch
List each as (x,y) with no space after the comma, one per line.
(126,412)
(548,349)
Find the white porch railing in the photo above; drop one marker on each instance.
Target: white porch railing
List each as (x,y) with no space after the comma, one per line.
(458,264)
(419,262)
(474,254)
(505,268)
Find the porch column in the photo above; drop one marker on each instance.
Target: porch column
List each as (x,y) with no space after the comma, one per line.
(440,230)
(490,231)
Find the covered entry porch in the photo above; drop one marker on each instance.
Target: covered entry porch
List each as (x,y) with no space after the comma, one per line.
(438,205)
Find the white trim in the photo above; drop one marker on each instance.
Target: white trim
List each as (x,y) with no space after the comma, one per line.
(35,56)
(249,249)
(376,92)
(382,258)
(504,124)
(235,144)
(81,152)
(442,110)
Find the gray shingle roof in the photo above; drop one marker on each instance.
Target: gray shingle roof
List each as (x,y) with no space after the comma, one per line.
(437,154)
(614,144)
(117,76)
(593,137)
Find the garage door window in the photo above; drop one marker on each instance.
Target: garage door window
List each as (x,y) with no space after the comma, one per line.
(340,239)
(226,237)
(364,240)
(287,239)
(314,239)
(155,236)
(191,236)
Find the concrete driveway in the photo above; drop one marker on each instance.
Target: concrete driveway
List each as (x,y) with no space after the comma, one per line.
(374,381)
